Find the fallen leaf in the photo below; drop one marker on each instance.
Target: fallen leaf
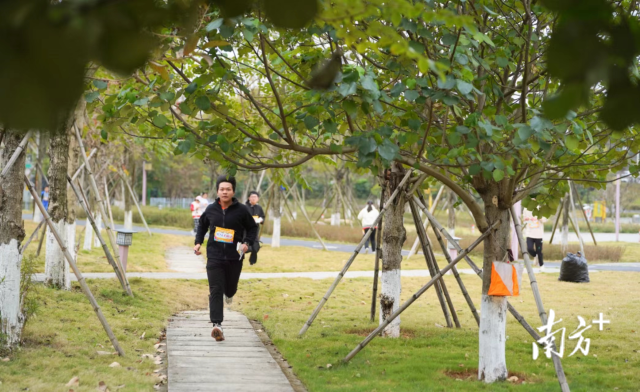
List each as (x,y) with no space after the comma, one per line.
(142,336)
(114,364)
(73,382)
(147,356)
(329,366)
(513,379)
(265,317)
(439,326)
(103,352)
(102,387)
(285,295)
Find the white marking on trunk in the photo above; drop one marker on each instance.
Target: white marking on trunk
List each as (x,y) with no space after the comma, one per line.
(492,365)
(55,267)
(128,220)
(96,241)
(275,236)
(12,319)
(390,301)
(335,219)
(37,216)
(88,236)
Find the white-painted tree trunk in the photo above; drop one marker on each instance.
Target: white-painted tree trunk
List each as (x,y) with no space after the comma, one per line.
(10,303)
(71,245)
(390,301)
(492,365)
(335,219)
(96,241)
(275,236)
(88,236)
(56,267)
(128,220)
(37,216)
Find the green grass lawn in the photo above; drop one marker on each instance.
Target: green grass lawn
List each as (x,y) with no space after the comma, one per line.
(62,340)
(426,352)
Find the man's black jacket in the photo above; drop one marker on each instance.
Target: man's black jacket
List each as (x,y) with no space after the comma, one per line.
(256,210)
(236,217)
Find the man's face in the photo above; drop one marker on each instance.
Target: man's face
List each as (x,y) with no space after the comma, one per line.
(225,191)
(205,196)
(46,189)
(254,199)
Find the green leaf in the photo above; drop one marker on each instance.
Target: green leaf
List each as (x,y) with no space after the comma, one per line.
(474,169)
(214,25)
(248,35)
(503,62)
(203,103)
(449,39)
(311,122)
(141,101)
(92,96)
(524,132)
(414,124)
(367,145)
(292,14)
(535,146)
(369,84)
(160,121)
(498,174)
(454,138)
(411,95)
(464,87)
(462,129)
(330,126)
(447,84)
(388,150)
(223,143)
(191,88)
(347,89)
(350,107)
(104,135)
(571,142)
(168,96)
(100,84)
(184,108)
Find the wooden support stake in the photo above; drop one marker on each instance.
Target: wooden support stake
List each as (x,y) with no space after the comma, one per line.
(441,290)
(414,248)
(16,154)
(76,271)
(562,379)
(82,198)
(586,219)
(417,295)
(574,221)
(107,200)
(77,173)
(325,207)
(135,200)
(306,217)
(39,168)
(376,264)
(555,225)
(31,237)
(325,298)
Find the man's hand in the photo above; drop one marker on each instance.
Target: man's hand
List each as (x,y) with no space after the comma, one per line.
(196,250)
(245,248)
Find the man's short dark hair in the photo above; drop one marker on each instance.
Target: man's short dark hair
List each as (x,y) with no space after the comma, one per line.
(226,178)
(254,193)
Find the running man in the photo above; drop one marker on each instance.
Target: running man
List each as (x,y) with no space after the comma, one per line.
(258,216)
(227,220)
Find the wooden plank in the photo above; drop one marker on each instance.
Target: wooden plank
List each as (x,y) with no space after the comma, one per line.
(240,363)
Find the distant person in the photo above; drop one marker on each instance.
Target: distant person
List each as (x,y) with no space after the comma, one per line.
(204,202)
(228,220)
(44,196)
(258,217)
(534,232)
(368,216)
(195,214)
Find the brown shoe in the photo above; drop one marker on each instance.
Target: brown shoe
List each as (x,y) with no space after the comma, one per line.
(217,333)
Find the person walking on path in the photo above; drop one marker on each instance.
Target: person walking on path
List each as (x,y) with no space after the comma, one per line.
(227,220)
(534,231)
(258,217)
(44,196)
(204,202)
(195,214)
(368,216)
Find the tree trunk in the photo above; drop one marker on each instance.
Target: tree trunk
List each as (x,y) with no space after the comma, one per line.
(492,364)
(337,205)
(128,201)
(40,183)
(564,244)
(276,194)
(11,235)
(393,237)
(451,223)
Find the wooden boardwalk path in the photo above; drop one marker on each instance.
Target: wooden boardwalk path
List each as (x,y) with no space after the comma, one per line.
(197,363)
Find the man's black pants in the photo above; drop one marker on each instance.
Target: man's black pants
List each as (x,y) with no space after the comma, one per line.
(223,278)
(372,238)
(537,243)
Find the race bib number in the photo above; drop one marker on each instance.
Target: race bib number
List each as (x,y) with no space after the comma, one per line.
(223,235)
(534,225)
(256,218)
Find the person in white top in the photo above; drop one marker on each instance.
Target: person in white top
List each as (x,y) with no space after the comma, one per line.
(368,216)
(195,213)
(534,231)
(204,202)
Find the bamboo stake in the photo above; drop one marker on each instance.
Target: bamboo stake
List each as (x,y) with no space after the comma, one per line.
(77,173)
(555,225)
(440,288)
(574,221)
(135,200)
(344,205)
(16,155)
(376,265)
(584,213)
(325,298)
(100,203)
(306,217)
(44,234)
(260,180)
(107,200)
(414,248)
(44,177)
(31,237)
(417,295)
(76,271)
(465,293)
(325,207)
(536,295)
(80,195)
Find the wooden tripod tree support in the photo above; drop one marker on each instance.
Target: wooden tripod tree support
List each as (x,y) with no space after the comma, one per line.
(31,237)
(586,219)
(376,264)
(77,173)
(417,295)
(562,379)
(81,197)
(325,298)
(107,201)
(99,201)
(327,204)
(555,225)
(427,250)
(414,248)
(306,217)
(135,200)
(76,271)
(574,220)
(16,154)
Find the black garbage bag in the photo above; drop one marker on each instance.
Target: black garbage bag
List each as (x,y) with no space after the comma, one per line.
(574,268)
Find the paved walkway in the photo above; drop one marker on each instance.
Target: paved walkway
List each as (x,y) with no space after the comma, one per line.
(182,259)
(241,363)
